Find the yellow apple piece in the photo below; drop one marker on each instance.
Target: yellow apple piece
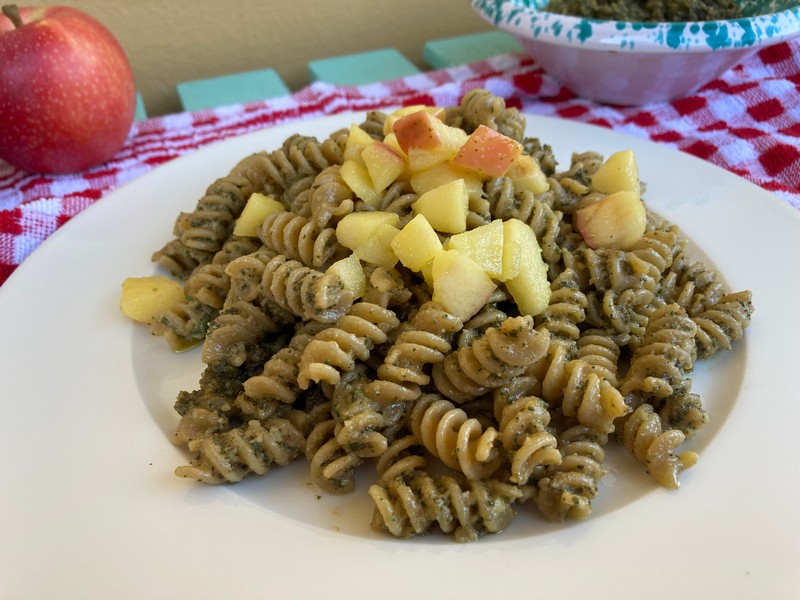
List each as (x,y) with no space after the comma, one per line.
(530,286)
(460,284)
(377,249)
(616,221)
(488,152)
(257,208)
(357,140)
(357,227)
(144,298)
(619,173)
(526,174)
(445,207)
(416,244)
(394,116)
(427,179)
(351,273)
(384,164)
(357,178)
(484,245)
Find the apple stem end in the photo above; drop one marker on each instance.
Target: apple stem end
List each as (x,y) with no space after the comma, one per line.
(12,12)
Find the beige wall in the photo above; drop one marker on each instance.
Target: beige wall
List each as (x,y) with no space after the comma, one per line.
(169,42)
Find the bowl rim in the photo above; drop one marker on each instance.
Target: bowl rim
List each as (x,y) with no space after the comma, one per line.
(533,24)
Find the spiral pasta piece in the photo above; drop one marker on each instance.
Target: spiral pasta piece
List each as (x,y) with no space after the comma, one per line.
(278,379)
(692,285)
(402,457)
(230,456)
(601,353)
(567,309)
(570,486)
(658,367)
(481,107)
(330,198)
(362,424)
(529,447)
(501,354)
(412,503)
(654,446)
(425,340)
(231,334)
(309,294)
(723,323)
(335,349)
(332,467)
(684,413)
(299,238)
(199,235)
(619,270)
(590,399)
(457,440)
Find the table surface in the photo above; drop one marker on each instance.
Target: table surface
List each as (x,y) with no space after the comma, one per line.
(747,121)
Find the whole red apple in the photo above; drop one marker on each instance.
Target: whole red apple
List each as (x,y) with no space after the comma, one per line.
(67,95)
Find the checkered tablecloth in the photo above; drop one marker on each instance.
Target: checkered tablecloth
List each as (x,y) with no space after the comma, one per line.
(747,121)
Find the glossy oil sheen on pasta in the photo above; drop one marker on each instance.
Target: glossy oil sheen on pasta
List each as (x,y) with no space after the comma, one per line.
(517,410)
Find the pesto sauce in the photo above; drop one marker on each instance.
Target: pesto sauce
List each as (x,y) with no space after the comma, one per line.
(648,10)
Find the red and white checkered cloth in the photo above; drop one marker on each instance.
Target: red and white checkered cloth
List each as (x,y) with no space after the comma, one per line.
(747,122)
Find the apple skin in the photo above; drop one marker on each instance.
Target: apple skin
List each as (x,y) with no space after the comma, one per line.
(67,93)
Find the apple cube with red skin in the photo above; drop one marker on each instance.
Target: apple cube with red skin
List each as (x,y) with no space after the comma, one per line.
(426,140)
(488,152)
(384,164)
(460,285)
(67,94)
(616,221)
(398,114)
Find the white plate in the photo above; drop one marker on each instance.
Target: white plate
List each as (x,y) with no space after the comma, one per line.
(90,508)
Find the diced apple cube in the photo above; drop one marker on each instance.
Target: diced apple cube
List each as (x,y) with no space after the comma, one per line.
(488,152)
(357,140)
(144,298)
(616,221)
(351,273)
(619,173)
(423,131)
(484,245)
(377,249)
(394,116)
(423,180)
(445,207)
(460,284)
(384,164)
(527,175)
(357,178)
(257,208)
(357,227)
(530,287)
(417,243)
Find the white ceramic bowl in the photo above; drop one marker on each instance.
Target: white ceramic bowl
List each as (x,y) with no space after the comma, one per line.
(628,63)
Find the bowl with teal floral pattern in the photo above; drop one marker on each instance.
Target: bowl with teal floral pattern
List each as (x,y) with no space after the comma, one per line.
(636,63)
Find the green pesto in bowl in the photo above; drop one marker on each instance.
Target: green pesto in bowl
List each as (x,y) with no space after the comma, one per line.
(648,10)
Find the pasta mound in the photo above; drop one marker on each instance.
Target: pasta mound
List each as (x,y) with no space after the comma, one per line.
(516,409)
